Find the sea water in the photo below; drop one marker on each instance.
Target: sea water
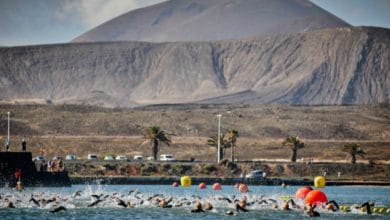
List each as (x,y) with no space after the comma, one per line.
(77,207)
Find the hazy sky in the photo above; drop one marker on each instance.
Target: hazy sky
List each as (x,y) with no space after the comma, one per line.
(25,22)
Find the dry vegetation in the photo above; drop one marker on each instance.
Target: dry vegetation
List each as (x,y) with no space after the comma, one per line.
(59,130)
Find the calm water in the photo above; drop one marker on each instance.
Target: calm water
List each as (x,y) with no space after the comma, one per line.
(147,209)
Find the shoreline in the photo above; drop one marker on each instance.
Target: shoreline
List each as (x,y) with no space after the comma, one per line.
(212,180)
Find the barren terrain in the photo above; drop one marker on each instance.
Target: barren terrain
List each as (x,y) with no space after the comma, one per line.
(59,130)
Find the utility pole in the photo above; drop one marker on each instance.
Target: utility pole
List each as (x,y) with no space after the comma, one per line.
(8,113)
(219,137)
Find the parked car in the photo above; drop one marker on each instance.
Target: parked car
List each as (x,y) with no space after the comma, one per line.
(138,157)
(166,157)
(70,157)
(256,174)
(108,157)
(149,158)
(92,157)
(39,158)
(120,157)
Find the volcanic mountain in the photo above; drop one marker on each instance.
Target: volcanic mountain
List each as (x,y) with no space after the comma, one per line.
(332,66)
(208,20)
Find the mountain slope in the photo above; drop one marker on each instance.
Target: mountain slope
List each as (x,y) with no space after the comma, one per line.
(335,66)
(205,20)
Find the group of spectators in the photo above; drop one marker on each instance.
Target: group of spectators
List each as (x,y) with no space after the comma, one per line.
(51,166)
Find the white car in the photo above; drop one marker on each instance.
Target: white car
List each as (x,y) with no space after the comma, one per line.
(256,174)
(138,157)
(108,157)
(149,158)
(120,157)
(167,157)
(92,157)
(70,157)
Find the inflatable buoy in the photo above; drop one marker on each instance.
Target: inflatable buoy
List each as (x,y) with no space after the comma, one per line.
(217,186)
(388,211)
(381,210)
(185,181)
(315,196)
(243,188)
(302,192)
(175,184)
(319,182)
(202,186)
(375,209)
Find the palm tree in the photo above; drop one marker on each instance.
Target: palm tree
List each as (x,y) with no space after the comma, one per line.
(353,150)
(213,141)
(231,138)
(294,143)
(155,135)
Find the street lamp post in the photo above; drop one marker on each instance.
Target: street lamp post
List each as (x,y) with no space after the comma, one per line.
(219,137)
(8,127)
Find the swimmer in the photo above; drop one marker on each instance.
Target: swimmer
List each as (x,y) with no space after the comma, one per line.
(77,194)
(10,205)
(230,213)
(120,202)
(34,201)
(367,205)
(332,205)
(309,210)
(226,199)
(97,197)
(241,206)
(164,203)
(95,203)
(286,205)
(208,206)
(58,209)
(198,207)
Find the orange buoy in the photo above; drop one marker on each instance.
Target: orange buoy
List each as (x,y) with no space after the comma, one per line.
(217,186)
(175,184)
(315,196)
(302,192)
(202,186)
(243,187)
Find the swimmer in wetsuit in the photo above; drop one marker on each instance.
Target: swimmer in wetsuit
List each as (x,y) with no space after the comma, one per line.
(367,205)
(309,210)
(332,205)
(198,207)
(240,207)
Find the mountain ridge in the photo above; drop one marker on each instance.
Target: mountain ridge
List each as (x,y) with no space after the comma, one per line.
(332,66)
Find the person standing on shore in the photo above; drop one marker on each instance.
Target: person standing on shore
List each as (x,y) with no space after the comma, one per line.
(6,143)
(24,145)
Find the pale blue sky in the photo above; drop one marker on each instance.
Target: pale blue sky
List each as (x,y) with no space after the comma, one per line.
(26,22)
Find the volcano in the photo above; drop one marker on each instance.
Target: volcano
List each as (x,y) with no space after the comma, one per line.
(209,20)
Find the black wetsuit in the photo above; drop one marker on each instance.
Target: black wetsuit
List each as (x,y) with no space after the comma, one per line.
(241,209)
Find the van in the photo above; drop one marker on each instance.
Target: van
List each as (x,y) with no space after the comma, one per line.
(70,157)
(138,157)
(167,157)
(92,157)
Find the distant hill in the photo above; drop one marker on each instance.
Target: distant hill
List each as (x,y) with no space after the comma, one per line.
(206,20)
(333,66)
